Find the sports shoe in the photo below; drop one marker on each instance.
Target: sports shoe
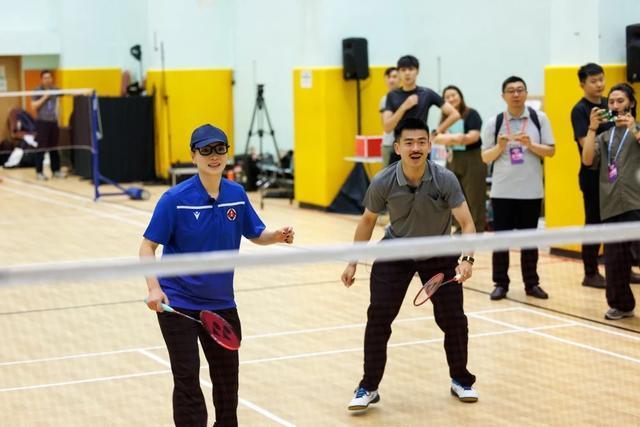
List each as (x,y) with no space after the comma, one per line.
(464,393)
(595,281)
(498,293)
(41,177)
(615,314)
(363,398)
(59,174)
(536,292)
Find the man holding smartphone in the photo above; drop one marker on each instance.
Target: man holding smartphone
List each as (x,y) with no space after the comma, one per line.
(592,82)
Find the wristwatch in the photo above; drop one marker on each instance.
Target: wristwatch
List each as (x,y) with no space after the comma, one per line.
(468,258)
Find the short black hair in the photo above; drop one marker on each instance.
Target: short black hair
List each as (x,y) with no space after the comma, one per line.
(512,79)
(408,61)
(43,72)
(389,70)
(590,69)
(410,123)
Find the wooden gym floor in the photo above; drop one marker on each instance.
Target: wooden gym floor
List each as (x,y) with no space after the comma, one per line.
(90,352)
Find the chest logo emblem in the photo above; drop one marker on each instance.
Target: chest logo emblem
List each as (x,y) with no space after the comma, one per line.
(196,214)
(231,214)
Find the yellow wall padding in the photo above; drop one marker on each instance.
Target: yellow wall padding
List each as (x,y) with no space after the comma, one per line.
(563,199)
(195,97)
(325,125)
(106,82)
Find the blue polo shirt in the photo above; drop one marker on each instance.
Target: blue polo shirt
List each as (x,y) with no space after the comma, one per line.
(186,219)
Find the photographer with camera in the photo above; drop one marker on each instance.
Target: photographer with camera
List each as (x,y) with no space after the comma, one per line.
(592,82)
(615,156)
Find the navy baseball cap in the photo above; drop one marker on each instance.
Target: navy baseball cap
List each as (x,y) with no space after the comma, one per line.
(207,134)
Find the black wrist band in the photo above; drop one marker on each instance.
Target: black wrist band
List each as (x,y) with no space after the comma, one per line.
(468,258)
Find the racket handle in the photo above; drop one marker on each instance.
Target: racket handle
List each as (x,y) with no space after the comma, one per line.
(165,307)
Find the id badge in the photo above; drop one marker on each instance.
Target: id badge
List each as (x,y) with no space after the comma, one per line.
(516,153)
(613,172)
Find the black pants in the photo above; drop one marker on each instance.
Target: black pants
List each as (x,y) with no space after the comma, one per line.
(618,259)
(47,136)
(181,336)
(388,284)
(516,214)
(590,187)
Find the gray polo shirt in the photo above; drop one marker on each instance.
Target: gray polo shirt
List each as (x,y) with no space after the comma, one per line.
(622,195)
(419,212)
(522,180)
(49,110)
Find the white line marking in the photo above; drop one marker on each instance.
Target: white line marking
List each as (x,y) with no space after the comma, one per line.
(512,330)
(194,207)
(76,207)
(78,197)
(249,337)
(79,356)
(394,345)
(562,340)
(86,381)
(584,325)
(244,402)
(222,205)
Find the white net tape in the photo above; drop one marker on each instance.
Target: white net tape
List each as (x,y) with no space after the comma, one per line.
(385,250)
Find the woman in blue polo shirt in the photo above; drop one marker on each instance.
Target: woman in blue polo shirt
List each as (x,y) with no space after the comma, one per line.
(204,213)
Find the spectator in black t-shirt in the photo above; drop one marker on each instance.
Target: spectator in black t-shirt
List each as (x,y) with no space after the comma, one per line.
(591,78)
(412,100)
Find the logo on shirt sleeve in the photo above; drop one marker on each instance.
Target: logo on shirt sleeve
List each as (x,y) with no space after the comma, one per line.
(231,214)
(196,214)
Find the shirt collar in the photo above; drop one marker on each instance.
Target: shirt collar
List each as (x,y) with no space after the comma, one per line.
(525,114)
(203,191)
(402,180)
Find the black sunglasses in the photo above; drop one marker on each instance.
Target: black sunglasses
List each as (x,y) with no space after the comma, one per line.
(208,150)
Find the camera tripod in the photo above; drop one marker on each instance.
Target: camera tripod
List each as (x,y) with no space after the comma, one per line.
(260,112)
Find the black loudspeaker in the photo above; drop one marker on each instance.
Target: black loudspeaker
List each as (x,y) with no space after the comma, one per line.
(355,59)
(633,53)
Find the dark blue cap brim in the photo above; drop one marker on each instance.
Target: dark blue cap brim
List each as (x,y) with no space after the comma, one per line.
(208,141)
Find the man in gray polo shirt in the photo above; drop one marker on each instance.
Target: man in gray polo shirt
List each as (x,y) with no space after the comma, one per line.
(516,149)
(420,197)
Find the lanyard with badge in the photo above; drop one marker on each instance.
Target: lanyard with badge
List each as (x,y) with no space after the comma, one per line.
(612,167)
(516,151)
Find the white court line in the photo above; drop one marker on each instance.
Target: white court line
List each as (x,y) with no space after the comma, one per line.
(78,197)
(511,330)
(584,325)
(394,345)
(242,401)
(249,337)
(562,340)
(76,207)
(85,381)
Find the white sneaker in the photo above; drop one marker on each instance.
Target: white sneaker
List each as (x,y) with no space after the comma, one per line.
(59,175)
(465,394)
(362,399)
(41,177)
(615,314)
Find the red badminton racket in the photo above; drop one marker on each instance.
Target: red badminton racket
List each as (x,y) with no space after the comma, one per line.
(430,287)
(218,328)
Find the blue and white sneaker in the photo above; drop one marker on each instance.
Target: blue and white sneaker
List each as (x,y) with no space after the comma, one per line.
(363,398)
(464,393)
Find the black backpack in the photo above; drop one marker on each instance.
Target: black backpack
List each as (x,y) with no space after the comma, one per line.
(500,119)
